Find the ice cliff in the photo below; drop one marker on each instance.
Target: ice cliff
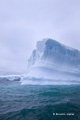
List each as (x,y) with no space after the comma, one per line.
(53,60)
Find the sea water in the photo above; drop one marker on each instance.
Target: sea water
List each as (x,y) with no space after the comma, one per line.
(39,102)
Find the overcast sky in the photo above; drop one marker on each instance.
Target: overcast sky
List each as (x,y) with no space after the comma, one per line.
(23,22)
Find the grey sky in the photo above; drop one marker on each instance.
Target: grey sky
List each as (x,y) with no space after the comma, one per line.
(23,22)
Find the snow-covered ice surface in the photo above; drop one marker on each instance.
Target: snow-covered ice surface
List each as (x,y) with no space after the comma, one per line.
(52,60)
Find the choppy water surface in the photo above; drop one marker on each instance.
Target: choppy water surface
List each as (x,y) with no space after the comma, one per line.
(38,102)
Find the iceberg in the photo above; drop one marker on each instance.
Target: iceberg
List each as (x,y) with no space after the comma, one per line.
(11,77)
(52,60)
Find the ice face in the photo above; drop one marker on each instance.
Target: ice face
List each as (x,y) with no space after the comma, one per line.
(51,59)
(61,55)
(53,52)
(37,53)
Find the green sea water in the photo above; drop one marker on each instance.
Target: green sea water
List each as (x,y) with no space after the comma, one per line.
(39,102)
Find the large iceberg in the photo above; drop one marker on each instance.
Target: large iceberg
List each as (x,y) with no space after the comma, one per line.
(53,60)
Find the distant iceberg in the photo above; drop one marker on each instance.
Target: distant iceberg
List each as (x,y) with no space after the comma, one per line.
(11,77)
(53,60)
